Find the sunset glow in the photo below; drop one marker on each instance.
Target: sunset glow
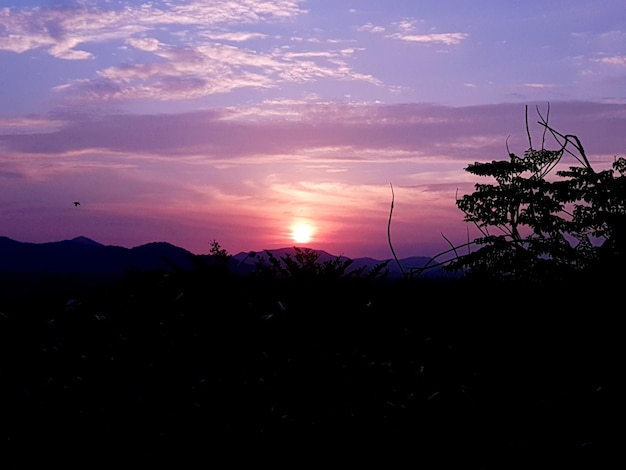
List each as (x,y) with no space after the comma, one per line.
(270,122)
(302,233)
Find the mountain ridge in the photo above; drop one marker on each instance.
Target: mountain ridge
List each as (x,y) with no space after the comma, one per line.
(84,255)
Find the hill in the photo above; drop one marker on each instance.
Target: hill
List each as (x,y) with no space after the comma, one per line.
(84,256)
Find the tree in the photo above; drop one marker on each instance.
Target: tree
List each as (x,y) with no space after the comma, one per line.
(537,224)
(219,254)
(304,264)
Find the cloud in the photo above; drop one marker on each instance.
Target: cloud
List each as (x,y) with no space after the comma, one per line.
(371,28)
(235,36)
(181,65)
(144,43)
(59,30)
(613,60)
(29,125)
(406,32)
(192,72)
(537,85)
(315,133)
(449,39)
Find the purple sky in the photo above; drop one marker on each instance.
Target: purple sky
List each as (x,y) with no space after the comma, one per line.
(188,121)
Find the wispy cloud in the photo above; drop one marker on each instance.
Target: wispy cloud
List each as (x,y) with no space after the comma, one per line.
(371,28)
(60,30)
(449,39)
(197,66)
(407,31)
(614,60)
(301,131)
(183,66)
(538,85)
(238,36)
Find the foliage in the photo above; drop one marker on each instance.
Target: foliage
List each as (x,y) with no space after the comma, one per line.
(149,373)
(219,254)
(305,264)
(534,227)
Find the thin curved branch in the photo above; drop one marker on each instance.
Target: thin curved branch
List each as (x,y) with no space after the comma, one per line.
(567,139)
(530,140)
(456,254)
(508,150)
(393,252)
(453,249)
(545,120)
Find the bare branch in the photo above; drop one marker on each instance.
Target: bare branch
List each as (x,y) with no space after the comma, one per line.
(389,233)
(530,140)
(564,140)
(543,137)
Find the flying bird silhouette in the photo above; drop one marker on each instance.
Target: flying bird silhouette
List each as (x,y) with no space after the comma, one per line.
(76,203)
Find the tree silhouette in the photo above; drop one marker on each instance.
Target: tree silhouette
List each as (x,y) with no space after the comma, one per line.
(304,264)
(540,224)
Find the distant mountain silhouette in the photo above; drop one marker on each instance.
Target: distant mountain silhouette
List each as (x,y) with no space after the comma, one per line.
(82,255)
(244,261)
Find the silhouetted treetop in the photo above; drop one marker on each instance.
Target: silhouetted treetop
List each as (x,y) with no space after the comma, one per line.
(540,224)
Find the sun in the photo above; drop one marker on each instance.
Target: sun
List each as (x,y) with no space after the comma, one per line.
(302,233)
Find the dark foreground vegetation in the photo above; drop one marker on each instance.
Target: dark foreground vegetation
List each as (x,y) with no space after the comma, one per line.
(516,362)
(462,375)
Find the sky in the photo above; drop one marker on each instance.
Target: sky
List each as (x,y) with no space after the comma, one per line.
(255,122)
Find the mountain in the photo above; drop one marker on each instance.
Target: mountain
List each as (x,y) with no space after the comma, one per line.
(245,261)
(82,255)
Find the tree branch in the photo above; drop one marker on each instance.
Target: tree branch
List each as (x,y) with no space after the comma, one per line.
(389,233)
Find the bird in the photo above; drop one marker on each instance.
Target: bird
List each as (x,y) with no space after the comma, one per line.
(76,203)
